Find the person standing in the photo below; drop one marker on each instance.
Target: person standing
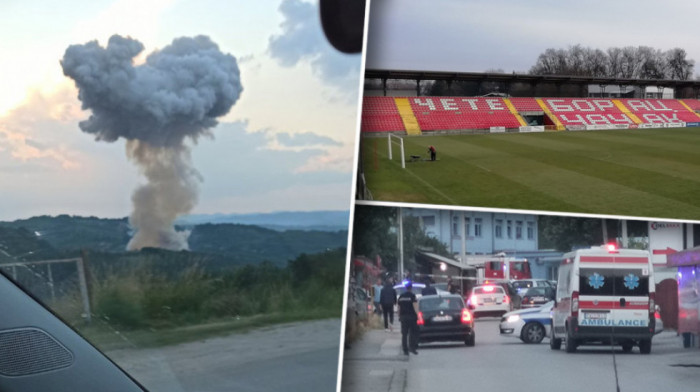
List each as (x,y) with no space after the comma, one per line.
(428,289)
(377,297)
(451,287)
(387,299)
(408,315)
(433,153)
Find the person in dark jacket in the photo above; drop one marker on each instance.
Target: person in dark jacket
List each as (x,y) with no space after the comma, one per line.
(451,287)
(428,289)
(408,315)
(433,153)
(387,299)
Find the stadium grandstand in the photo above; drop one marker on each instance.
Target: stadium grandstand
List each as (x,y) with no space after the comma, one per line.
(640,157)
(524,103)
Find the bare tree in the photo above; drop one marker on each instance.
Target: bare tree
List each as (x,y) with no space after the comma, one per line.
(651,63)
(614,62)
(596,63)
(576,59)
(547,63)
(679,67)
(629,62)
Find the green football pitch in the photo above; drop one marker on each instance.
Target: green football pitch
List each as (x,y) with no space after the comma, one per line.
(642,172)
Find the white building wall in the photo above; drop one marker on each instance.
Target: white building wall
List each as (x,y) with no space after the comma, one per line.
(483,236)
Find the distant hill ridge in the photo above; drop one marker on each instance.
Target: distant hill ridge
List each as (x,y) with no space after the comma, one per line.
(282,220)
(242,243)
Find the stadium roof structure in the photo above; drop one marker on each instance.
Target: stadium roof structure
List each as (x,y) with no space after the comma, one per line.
(525,78)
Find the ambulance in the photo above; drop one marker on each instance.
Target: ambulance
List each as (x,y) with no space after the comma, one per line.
(605,295)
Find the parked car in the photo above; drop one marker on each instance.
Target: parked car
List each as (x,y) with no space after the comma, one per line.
(417,288)
(444,317)
(488,300)
(537,296)
(523,285)
(529,325)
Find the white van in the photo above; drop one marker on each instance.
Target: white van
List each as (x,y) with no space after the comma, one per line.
(604,296)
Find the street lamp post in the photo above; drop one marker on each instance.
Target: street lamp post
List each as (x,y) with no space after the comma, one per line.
(399,213)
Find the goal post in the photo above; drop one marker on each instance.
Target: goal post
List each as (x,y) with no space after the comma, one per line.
(393,139)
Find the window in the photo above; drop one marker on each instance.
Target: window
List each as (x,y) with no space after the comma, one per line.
(564,274)
(498,231)
(615,282)
(466,226)
(454,303)
(494,290)
(530,230)
(519,230)
(522,284)
(477,227)
(509,229)
(455,226)
(429,221)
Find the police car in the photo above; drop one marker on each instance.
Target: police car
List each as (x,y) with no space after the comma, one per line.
(489,300)
(529,325)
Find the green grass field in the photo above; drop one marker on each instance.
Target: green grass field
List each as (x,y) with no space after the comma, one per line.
(648,173)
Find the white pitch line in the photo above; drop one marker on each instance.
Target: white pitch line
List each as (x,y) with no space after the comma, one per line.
(433,188)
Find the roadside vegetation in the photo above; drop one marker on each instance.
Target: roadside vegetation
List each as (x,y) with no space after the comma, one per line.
(148,299)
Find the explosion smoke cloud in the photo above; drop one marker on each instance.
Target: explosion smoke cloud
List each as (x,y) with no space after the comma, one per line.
(178,93)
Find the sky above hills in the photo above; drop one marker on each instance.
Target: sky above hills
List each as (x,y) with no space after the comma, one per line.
(287,144)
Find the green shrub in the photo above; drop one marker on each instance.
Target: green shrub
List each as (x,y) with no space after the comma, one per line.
(117,307)
(138,296)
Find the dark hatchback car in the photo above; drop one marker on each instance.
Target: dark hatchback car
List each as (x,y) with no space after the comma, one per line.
(445,318)
(537,296)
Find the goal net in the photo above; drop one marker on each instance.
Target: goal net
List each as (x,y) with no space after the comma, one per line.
(394,141)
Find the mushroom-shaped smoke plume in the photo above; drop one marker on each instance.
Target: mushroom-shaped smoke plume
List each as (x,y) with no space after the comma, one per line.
(178,93)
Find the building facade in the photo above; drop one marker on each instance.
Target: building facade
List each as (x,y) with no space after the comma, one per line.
(485,232)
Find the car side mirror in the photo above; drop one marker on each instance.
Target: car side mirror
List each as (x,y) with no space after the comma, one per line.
(471,307)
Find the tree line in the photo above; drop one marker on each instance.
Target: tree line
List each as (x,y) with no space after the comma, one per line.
(375,233)
(629,62)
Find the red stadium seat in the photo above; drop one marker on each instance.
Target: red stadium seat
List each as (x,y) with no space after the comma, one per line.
(693,104)
(455,113)
(526,104)
(379,114)
(660,110)
(587,111)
